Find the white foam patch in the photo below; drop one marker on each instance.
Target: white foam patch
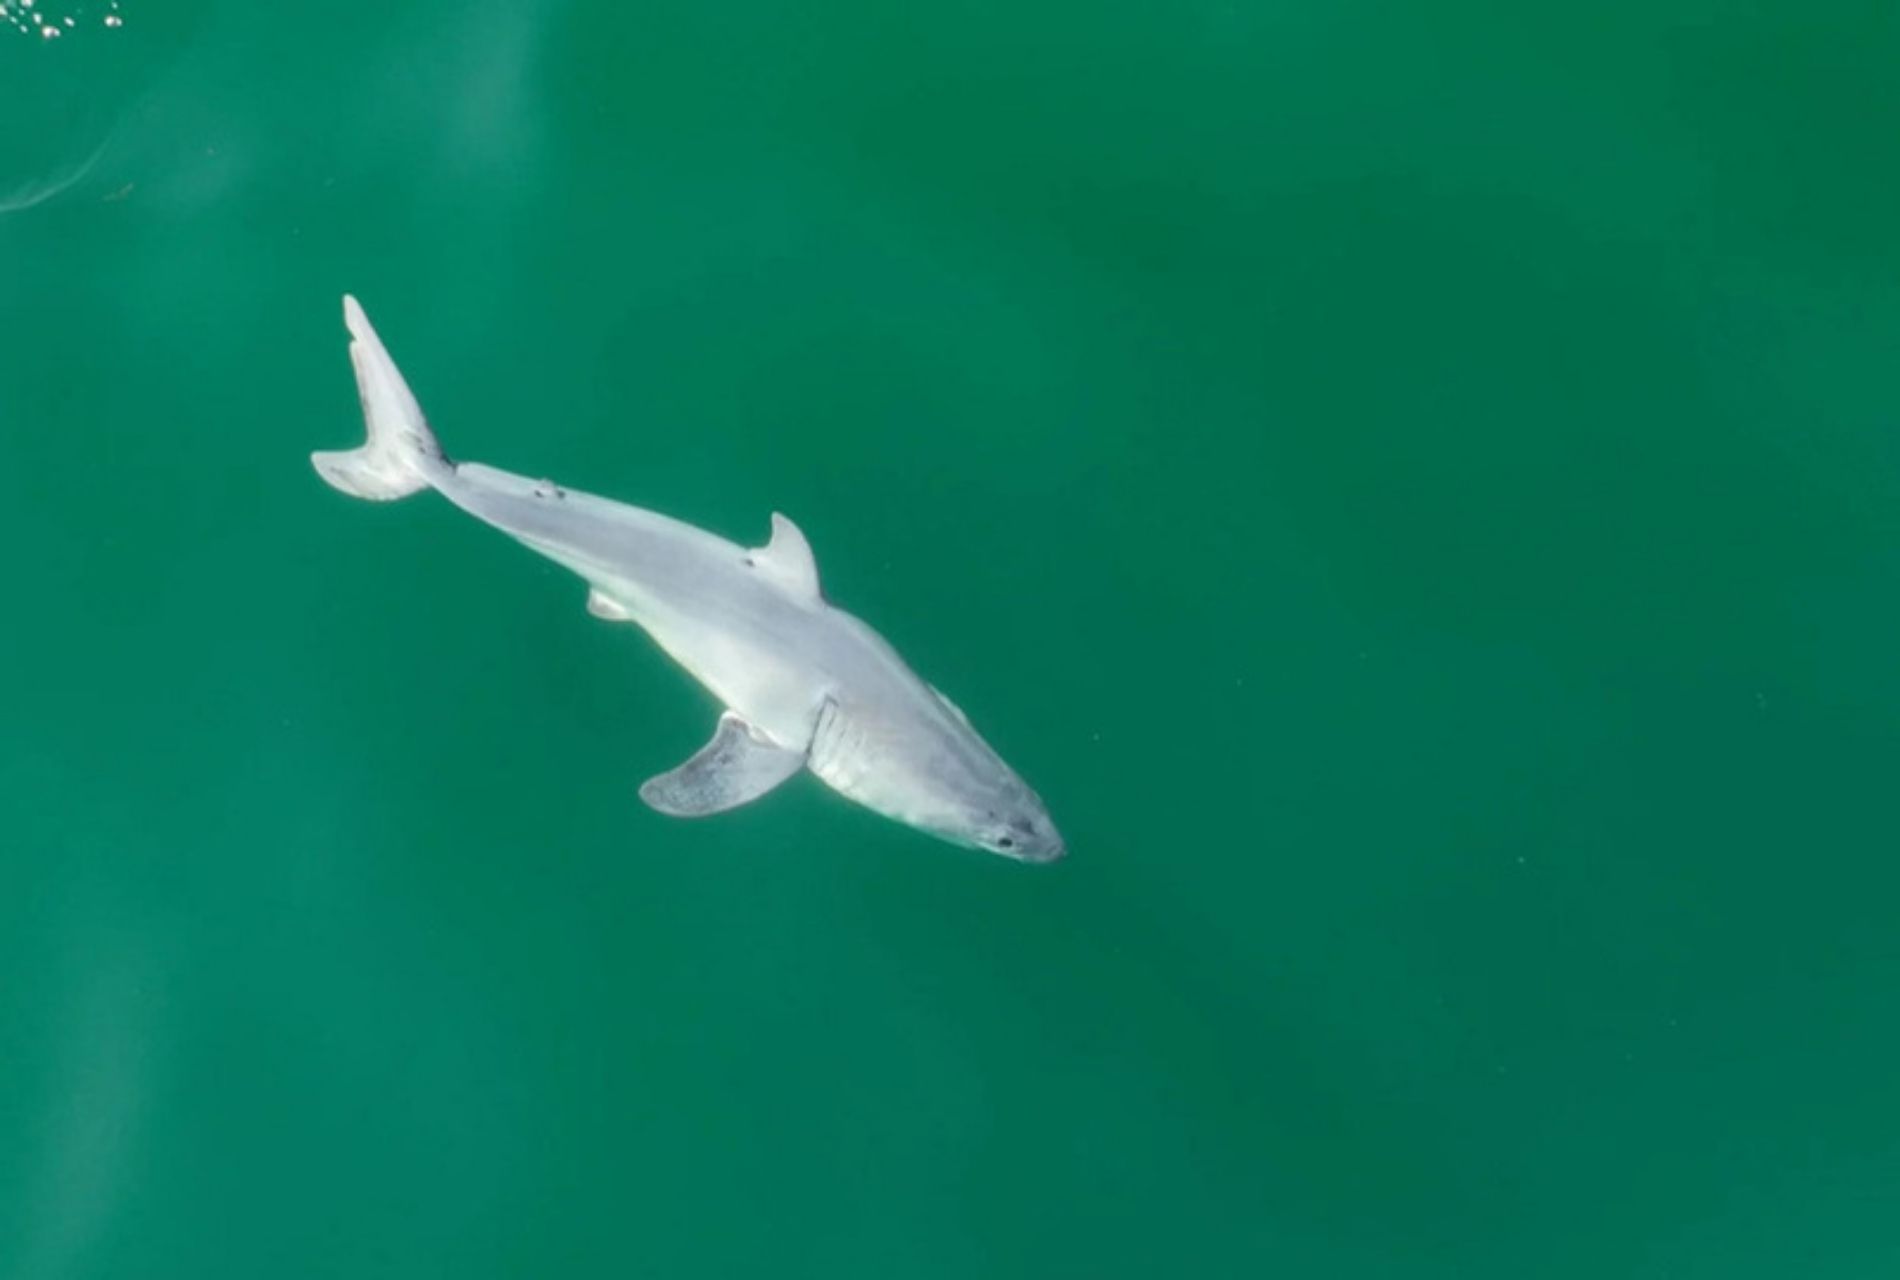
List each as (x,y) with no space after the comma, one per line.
(51,19)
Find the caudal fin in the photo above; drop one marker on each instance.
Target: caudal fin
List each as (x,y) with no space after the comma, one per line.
(401,453)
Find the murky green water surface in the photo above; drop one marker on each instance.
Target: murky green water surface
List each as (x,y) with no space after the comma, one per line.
(1417,490)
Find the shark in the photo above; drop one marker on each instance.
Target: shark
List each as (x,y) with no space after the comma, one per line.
(804,685)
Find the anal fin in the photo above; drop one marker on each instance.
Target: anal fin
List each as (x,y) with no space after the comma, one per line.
(736,767)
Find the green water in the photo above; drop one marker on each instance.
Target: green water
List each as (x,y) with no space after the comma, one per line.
(1416,488)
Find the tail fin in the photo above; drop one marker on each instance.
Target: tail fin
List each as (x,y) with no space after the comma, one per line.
(401,453)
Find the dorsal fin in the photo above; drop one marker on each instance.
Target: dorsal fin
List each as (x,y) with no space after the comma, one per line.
(787,559)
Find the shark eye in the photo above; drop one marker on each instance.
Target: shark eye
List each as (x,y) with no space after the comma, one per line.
(1006,843)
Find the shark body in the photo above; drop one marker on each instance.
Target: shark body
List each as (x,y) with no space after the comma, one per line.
(805,685)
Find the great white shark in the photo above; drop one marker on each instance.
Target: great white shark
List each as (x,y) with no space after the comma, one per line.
(804,684)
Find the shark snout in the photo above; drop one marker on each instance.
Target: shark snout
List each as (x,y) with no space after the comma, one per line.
(1052,850)
(1032,838)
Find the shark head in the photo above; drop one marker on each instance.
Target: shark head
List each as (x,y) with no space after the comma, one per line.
(972,799)
(969,796)
(1023,831)
(1008,819)
(938,775)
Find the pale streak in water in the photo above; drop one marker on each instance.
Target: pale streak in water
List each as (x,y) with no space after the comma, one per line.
(29,195)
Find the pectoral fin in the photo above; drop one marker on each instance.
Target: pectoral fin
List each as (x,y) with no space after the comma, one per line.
(735,767)
(606,608)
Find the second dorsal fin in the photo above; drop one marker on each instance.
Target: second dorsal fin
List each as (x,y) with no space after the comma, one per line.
(787,559)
